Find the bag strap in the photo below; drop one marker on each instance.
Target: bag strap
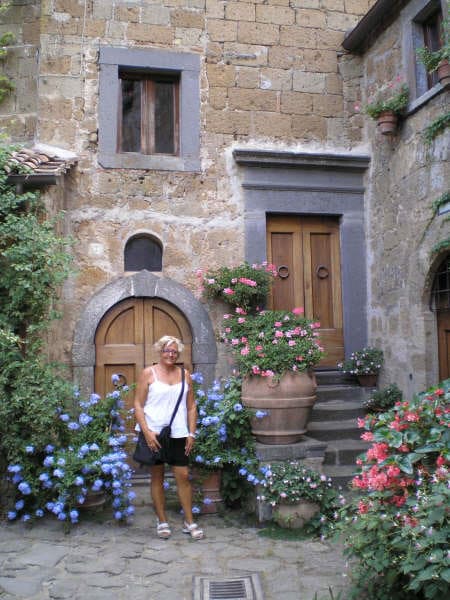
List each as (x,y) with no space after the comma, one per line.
(179,397)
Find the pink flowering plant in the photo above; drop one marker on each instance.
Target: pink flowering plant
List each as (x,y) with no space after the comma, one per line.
(272,342)
(390,96)
(397,525)
(367,361)
(245,285)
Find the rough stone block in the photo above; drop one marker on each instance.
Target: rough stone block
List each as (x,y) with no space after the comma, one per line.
(357,7)
(218,98)
(95,28)
(71,7)
(300,37)
(333,5)
(247,77)
(155,14)
(221,31)
(296,103)
(322,61)
(221,75)
(252,99)
(187,18)
(155,33)
(232,122)
(341,21)
(312,83)
(307,127)
(276,79)
(283,57)
(239,11)
(328,105)
(215,9)
(258,33)
(311,18)
(189,38)
(127,14)
(244,54)
(271,124)
(55,65)
(329,39)
(276,15)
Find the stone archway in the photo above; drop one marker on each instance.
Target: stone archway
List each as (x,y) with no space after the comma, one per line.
(144,285)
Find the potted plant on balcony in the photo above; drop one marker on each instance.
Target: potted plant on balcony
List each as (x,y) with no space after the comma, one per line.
(365,365)
(275,352)
(387,104)
(438,60)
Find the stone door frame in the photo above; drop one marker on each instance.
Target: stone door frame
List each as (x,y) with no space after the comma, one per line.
(297,183)
(141,285)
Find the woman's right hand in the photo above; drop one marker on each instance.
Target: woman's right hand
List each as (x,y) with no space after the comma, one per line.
(152,440)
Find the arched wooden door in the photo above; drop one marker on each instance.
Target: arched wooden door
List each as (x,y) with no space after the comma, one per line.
(125,337)
(440,302)
(306,250)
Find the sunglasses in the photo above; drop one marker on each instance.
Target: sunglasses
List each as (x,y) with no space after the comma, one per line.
(172,352)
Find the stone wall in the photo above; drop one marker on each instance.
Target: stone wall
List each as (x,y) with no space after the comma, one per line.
(273,75)
(406,176)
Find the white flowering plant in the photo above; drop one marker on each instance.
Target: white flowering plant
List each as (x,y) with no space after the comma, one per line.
(291,481)
(367,361)
(86,455)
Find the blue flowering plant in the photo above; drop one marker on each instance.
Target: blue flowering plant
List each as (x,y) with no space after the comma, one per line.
(83,455)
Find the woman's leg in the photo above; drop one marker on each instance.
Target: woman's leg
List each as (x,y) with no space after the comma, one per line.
(184,490)
(157,492)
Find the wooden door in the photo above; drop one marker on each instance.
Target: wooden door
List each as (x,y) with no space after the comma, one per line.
(443,323)
(306,251)
(125,337)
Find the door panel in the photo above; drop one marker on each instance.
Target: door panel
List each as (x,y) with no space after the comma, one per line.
(125,337)
(443,323)
(306,251)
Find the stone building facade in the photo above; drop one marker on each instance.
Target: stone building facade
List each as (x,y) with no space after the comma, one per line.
(267,143)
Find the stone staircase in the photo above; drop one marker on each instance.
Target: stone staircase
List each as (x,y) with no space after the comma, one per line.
(334,422)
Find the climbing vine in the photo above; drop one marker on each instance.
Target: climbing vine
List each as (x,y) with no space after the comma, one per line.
(436,127)
(6,39)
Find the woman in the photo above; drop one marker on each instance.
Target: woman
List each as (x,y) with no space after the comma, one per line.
(156,395)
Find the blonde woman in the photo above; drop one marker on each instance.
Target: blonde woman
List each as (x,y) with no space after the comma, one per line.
(157,392)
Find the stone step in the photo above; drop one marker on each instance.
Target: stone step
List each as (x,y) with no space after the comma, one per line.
(356,393)
(341,475)
(334,410)
(332,377)
(334,430)
(344,452)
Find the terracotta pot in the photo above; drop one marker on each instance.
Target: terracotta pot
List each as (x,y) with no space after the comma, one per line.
(367,380)
(288,403)
(208,483)
(93,500)
(387,122)
(294,516)
(443,73)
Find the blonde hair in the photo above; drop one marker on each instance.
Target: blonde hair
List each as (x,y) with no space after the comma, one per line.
(168,340)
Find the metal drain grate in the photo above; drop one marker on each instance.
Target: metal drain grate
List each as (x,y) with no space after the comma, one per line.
(231,588)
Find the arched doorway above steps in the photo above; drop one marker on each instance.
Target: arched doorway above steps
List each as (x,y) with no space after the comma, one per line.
(141,285)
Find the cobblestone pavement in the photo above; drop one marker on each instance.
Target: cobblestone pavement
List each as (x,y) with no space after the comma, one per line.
(99,559)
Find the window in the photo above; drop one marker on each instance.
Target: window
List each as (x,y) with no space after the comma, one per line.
(143,252)
(148,115)
(440,296)
(422,26)
(149,109)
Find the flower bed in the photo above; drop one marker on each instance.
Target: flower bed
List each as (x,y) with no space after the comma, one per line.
(398,524)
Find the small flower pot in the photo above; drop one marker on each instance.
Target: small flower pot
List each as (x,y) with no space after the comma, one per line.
(93,500)
(387,123)
(294,516)
(443,73)
(208,482)
(367,380)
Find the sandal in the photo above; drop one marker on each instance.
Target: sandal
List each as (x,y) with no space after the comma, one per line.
(163,530)
(193,530)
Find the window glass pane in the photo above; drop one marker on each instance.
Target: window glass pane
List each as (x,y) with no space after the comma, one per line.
(141,252)
(131,116)
(164,118)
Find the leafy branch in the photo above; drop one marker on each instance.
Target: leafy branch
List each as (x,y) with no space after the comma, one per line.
(436,127)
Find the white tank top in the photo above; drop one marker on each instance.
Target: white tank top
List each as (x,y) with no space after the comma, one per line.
(158,408)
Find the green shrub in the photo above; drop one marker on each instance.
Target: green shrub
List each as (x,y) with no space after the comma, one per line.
(384,399)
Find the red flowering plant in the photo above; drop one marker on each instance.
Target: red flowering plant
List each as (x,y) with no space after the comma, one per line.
(397,525)
(272,342)
(245,285)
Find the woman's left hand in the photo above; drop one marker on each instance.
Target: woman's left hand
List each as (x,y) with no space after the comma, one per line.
(190,441)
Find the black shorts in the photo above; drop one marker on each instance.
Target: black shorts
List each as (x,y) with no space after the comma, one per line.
(177,454)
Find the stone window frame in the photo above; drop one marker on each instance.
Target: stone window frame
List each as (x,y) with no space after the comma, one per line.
(187,66)
(411,17)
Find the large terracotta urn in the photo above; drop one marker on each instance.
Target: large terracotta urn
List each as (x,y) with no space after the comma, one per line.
(287,402)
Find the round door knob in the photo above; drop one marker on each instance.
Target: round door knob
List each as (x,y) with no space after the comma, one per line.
(322,272)
(283,271)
